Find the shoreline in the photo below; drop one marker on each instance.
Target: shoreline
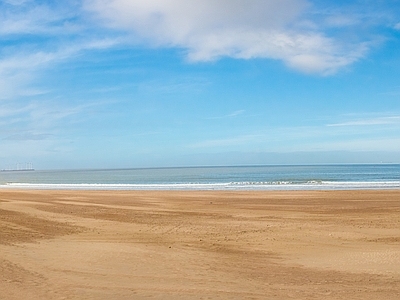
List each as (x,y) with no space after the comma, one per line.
(199,244)
(72,190)
(233,187)
(232,178)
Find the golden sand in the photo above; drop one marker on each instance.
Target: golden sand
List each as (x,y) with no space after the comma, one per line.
(199,245)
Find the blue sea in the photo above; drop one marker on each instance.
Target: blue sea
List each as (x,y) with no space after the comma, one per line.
(272,177)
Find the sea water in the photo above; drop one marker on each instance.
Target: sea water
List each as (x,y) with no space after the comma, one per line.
(272,177)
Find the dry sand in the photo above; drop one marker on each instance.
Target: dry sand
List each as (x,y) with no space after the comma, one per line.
(199,245)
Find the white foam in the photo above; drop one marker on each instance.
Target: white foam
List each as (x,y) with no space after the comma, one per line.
(279,185)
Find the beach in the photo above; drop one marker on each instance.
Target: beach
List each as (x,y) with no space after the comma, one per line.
(68,244)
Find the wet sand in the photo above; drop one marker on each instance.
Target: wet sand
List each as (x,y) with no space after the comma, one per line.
(199,245)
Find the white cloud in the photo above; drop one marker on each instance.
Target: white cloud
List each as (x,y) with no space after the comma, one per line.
(208,30)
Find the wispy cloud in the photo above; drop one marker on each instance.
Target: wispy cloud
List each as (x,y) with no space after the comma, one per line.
(373,134)
(394,92)
(177,85)
(34,121)
(225,142)
(18,70)
(230,115)
(33,17)
(27,136)
(236,113)
(37,35)
(359,144)
(369,122)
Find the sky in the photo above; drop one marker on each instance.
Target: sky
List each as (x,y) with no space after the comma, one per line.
(160,83)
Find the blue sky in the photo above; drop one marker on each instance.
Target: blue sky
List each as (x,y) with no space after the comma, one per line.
(132,83)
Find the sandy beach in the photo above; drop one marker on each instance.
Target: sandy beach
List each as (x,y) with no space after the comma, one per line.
(199,245)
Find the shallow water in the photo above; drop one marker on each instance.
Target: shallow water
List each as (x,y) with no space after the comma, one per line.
(274,177)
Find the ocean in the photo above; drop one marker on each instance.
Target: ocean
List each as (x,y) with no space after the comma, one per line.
(271,177)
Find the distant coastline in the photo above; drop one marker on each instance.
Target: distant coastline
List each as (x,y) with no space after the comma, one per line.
(19,167)
(16,170)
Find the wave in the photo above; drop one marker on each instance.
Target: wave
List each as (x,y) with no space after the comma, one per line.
(246,185)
